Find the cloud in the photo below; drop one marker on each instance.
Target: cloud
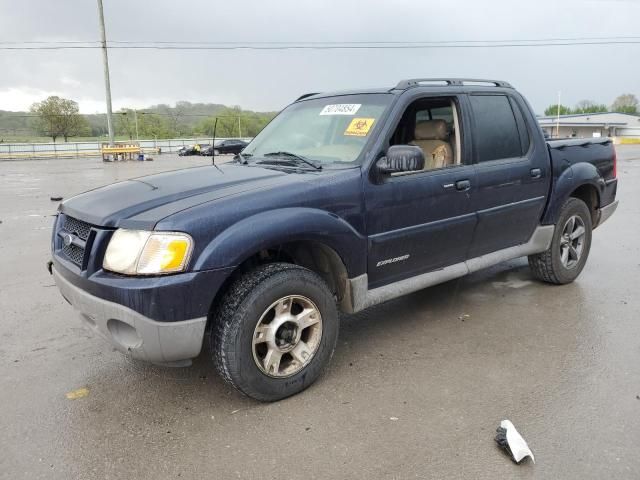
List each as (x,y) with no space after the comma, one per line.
(21,98)
(268,80)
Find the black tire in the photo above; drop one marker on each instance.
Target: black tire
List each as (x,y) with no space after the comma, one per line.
(241,308)
(548,266)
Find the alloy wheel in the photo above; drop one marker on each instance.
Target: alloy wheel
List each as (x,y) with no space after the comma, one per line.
(287,336)
(572,241)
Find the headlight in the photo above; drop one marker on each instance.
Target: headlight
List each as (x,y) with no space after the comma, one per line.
(137,252)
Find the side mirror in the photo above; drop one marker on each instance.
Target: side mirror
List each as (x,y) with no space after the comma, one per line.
(401,158)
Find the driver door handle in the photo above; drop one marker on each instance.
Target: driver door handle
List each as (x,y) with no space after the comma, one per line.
(463,185)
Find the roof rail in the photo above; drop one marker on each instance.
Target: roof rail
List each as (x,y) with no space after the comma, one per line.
(414,82)
(306,95)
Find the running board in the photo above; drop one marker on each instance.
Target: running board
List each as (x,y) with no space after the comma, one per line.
(360,297)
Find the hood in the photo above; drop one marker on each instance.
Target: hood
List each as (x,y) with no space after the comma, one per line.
(142,202)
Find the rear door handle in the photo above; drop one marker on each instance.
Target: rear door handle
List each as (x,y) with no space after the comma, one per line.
(463,185)
(536,173)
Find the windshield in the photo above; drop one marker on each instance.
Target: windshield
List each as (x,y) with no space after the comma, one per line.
(325,130)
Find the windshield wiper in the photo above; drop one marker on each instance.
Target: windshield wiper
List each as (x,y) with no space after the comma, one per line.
(295,156)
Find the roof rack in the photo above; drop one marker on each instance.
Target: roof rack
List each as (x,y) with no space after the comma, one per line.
(414,82)
(306,95)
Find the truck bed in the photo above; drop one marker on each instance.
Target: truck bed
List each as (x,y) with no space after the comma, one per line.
(599,152)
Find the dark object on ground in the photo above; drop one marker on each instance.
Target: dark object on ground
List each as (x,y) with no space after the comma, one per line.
(56,199)
(343,202)
(149,159)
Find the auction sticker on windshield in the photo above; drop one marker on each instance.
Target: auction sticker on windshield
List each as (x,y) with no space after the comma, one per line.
(359,127)
(341,109)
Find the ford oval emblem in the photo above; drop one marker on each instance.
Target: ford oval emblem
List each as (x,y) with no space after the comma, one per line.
(67,239)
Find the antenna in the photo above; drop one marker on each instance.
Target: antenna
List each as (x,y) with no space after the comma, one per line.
(213,143)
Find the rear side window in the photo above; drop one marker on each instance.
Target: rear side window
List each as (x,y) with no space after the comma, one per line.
(496,133)
(525,140)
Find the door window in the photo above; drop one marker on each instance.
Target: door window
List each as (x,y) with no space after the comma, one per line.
(496,133)
(432,125)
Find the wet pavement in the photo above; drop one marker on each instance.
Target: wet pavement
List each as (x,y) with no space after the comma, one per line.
(416,387)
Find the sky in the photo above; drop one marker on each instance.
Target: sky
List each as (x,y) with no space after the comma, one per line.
(269,80)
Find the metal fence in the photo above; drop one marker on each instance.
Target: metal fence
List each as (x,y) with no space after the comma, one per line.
(17,151)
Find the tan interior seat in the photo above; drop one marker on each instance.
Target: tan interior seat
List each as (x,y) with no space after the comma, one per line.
(431,136)
(453,142)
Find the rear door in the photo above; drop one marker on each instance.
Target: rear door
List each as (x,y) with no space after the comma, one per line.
(420,221)
(511,173)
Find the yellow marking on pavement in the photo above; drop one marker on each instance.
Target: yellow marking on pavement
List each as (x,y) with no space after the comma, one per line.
(79,393)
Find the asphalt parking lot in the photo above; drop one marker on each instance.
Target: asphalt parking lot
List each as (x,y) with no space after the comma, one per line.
(416,387)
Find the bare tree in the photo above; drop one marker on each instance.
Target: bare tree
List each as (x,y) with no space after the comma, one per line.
(176,115)
(627,103)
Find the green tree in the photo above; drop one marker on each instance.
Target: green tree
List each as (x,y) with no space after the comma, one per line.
(77,126)
(175,117)
(153,126)
(150,125)
(125,123)
(254,122)
(249,125)
(552,110)
(626,103)
(588,106)
(59,117)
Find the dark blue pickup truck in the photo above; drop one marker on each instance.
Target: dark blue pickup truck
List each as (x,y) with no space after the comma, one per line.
(343,201)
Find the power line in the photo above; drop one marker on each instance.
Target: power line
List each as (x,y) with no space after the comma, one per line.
(369,42)
(318,43)
(35,42)
(346,46)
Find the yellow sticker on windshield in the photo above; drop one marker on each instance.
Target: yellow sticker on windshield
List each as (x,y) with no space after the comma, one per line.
(359,127)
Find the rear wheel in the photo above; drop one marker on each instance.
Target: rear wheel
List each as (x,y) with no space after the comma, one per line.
(274,331)
(565,258)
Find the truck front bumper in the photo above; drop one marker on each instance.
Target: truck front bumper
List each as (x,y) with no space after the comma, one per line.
(131,332)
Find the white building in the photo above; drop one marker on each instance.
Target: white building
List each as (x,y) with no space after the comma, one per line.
(606,124)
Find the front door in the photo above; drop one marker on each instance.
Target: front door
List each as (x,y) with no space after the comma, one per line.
(424,220)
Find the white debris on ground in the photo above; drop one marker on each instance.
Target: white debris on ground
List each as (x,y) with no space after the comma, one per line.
(509,439)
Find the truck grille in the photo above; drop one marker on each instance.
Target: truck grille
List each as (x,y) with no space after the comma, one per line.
(80,230)
(77,227)
(74,253)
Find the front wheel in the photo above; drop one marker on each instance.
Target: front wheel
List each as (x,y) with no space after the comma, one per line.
(565,258)
(274,331)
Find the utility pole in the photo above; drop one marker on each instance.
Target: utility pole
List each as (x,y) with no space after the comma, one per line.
(105,61)
(558,118)
(239,130)
(135,115)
